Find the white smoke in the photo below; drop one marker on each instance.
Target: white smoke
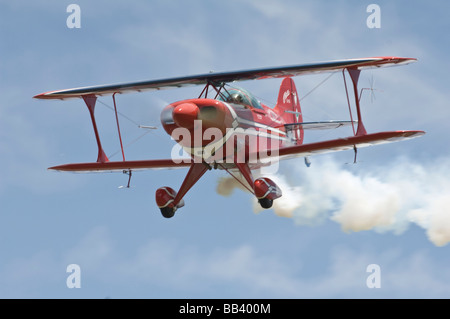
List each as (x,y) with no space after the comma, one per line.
(226,186)
(283,208)
(385,198)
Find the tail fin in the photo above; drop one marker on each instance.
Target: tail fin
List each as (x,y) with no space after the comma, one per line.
(288,108)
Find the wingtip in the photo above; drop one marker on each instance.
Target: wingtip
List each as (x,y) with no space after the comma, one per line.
(39,96)
(43,96)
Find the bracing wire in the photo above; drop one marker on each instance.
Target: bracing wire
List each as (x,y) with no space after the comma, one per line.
(130,143)
(130,120)
(316,87)
(121,114)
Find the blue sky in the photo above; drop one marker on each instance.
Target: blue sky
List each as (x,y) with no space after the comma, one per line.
(390,209)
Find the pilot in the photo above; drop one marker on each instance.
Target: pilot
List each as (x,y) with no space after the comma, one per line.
(235,98)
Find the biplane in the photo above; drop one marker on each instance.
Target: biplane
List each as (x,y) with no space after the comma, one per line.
(228,128)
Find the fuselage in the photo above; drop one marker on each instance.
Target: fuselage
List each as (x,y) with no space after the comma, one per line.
(225,130)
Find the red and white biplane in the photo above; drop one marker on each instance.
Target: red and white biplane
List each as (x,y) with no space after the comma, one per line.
(228,128)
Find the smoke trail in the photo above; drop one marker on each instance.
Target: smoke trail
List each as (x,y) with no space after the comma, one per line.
(386,198)
(226,186)
(283,208)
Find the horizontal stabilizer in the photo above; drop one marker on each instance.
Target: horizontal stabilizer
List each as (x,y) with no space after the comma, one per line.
(323,125)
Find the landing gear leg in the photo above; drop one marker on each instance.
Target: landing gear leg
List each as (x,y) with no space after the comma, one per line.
(169,201)
(264,188)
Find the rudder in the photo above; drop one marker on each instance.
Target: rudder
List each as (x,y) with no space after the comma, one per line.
(288,107)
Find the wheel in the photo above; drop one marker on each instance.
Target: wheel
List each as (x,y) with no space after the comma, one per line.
(168,212)
(265,202)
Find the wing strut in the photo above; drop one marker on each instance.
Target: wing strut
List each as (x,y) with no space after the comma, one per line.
(214,86)
(90,103)
(118,128)
(354,75)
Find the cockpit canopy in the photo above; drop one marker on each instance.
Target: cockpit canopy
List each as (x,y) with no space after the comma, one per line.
(239,96)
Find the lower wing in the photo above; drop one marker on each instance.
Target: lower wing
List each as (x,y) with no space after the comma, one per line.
(341,144)
(123,165)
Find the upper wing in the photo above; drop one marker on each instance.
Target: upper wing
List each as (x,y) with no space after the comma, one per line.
(221,77)
(341,144)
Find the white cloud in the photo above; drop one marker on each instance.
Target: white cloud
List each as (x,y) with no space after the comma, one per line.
(166,267)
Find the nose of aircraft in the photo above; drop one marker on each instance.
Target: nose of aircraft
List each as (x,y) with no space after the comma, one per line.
(185,114)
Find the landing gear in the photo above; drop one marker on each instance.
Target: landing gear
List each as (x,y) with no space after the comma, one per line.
(165,197)
(168,212)
(168,200)
(266,191)
(265,202)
